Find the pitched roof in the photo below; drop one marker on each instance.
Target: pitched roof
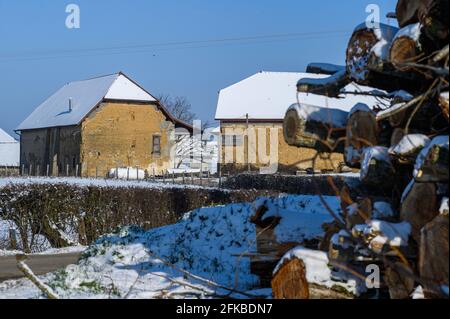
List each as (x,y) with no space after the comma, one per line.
(9,150)
(268,95)
(84,96)
(6,138)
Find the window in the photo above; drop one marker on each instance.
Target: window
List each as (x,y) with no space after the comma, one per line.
(156,146)
(232,140)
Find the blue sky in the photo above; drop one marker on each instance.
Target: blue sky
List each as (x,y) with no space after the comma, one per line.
(38,54)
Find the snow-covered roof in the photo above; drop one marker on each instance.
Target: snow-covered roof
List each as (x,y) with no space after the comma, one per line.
(84,96)
(9,150)
(6,138)
(268,95)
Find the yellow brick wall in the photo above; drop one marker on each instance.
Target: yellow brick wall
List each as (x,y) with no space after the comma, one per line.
(121,135)
(290,159)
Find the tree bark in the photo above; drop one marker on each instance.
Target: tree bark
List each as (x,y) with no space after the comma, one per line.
(434,256)
(435,22)
(434,168)
(409,11)
(420,207)
(400,280)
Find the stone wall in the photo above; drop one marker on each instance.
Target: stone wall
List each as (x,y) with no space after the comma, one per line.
(120,134)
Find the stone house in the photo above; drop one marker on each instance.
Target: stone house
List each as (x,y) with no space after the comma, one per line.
(251,114)
(91,127)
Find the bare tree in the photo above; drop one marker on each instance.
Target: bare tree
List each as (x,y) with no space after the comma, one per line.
(181,108)
(178,106)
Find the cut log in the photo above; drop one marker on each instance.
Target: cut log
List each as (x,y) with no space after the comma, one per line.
(408,147)
(324,68)
(362,132)
(409,11)
(368,63)
(330,86)
(377,169)
(367,44)
(313,127)
(432,162)
(435,22)
(400,280)
(406,47)
(434,256)
(433,16)
(290,281)
(420,206)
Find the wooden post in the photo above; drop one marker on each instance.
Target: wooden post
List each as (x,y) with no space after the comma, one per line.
(192,178)
(184,178)
(128,173)
(67,170)
(47,171)
(76,170)
(173,177)
(96,172)
(38,170)
(12,239)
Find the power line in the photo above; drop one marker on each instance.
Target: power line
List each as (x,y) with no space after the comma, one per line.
(168,46)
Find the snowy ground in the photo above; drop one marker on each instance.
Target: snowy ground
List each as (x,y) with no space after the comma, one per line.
(201,256)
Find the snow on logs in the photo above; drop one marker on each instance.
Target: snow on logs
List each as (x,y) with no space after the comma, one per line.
(406,47)
(314,127)
(304,273)
(367,56)
(432,162)
(324,68)
(377,168)
(330,86)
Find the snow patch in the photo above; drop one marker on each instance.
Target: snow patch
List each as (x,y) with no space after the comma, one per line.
(410,144)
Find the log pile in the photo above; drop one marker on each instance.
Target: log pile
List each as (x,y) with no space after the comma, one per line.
(401,149)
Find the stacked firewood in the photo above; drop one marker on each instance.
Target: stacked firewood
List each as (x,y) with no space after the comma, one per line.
(398,220)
